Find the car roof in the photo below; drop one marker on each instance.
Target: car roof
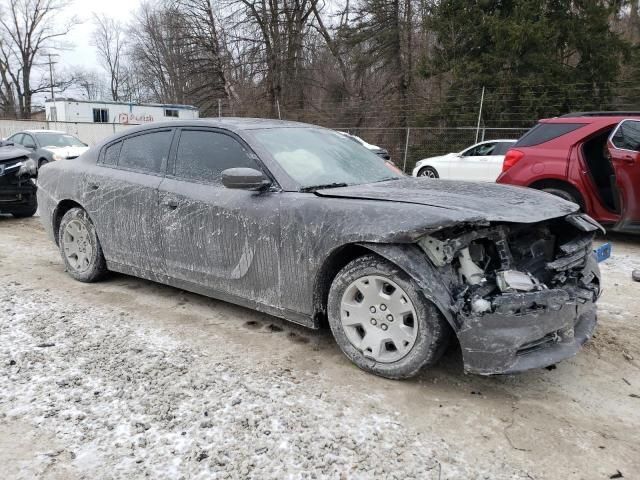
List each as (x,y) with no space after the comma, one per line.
(42,131)
(229,123)
(586,117)
(494,140)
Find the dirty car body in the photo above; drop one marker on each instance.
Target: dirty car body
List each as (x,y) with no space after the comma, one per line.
(510,269)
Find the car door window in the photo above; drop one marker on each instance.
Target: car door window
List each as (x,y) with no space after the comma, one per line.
(111,154)
(627,136)
(147,152)
(202,155)
(29,142)
(480,150)
(502,147)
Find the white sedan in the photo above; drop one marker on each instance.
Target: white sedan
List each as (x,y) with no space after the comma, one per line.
(481,162)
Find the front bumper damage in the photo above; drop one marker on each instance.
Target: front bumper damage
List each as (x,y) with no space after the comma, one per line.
(15,195)
(524,296)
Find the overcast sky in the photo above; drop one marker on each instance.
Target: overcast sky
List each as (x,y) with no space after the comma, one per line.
(81,53)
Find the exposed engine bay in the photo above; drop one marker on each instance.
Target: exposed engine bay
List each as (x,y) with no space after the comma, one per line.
(535,281)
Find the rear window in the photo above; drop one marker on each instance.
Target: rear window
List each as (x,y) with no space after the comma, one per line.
(543,132)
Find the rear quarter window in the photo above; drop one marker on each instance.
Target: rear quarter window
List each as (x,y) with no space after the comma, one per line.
(543,132)
(111,154)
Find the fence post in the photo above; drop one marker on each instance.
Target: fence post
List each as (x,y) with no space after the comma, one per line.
(219,108)
(479,115)
(406,150)
(278,106)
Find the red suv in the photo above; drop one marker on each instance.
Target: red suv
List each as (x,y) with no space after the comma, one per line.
(592,159)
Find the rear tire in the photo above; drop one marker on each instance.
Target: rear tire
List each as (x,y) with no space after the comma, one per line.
(80,248)
(405,333)
(428,172)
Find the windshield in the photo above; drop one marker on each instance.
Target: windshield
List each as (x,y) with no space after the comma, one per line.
(58,140)
(316,157)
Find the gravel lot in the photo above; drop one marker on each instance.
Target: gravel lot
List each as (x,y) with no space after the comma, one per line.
(126,379)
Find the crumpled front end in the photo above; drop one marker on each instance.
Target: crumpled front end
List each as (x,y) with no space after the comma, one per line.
(524,295)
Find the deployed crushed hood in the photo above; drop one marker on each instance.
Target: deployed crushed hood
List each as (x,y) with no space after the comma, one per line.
(488,201)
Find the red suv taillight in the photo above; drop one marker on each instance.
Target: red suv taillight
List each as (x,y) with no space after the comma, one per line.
(511,158)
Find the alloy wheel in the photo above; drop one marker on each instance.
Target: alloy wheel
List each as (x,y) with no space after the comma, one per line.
(77,246)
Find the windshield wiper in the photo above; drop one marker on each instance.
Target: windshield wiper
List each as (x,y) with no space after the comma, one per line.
(313,188)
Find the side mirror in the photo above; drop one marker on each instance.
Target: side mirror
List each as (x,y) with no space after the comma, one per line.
(245,179)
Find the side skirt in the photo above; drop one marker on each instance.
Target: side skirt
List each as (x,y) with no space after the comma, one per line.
(295,317)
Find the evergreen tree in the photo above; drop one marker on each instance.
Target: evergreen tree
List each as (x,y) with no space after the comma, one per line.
(536,58)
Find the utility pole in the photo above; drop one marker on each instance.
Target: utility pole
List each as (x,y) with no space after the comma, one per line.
(51,63)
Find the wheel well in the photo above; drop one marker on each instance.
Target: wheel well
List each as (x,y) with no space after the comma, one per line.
(63,207)
(329,269)
(562,185)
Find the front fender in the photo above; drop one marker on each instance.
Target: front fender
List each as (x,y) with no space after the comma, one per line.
(411,259)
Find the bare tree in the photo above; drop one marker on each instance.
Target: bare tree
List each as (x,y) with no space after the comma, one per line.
(280,29)
(109,40)
(7,100)
(208,60)
(28,29)
(90,83)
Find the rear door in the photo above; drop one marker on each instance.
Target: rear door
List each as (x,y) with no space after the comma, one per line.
(225,240)
(624,148)
(122,198)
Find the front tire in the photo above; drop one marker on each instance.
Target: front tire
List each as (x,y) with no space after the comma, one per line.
(428,172)
(80,247)
(42,162)
(381,320)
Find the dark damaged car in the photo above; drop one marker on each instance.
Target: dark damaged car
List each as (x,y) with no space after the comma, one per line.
(17,188)
(299,222)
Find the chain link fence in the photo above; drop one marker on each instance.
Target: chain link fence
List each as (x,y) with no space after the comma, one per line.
(405,145)
(408,145)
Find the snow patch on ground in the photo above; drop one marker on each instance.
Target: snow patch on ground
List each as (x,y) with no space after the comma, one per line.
(621,262)
(128,402)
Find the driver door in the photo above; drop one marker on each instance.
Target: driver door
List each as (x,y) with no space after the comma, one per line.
(624,148)
(474,164)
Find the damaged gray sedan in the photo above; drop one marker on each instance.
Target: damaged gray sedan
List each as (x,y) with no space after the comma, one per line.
(299,222)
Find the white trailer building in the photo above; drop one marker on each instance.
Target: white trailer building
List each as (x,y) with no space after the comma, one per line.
(86,111)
